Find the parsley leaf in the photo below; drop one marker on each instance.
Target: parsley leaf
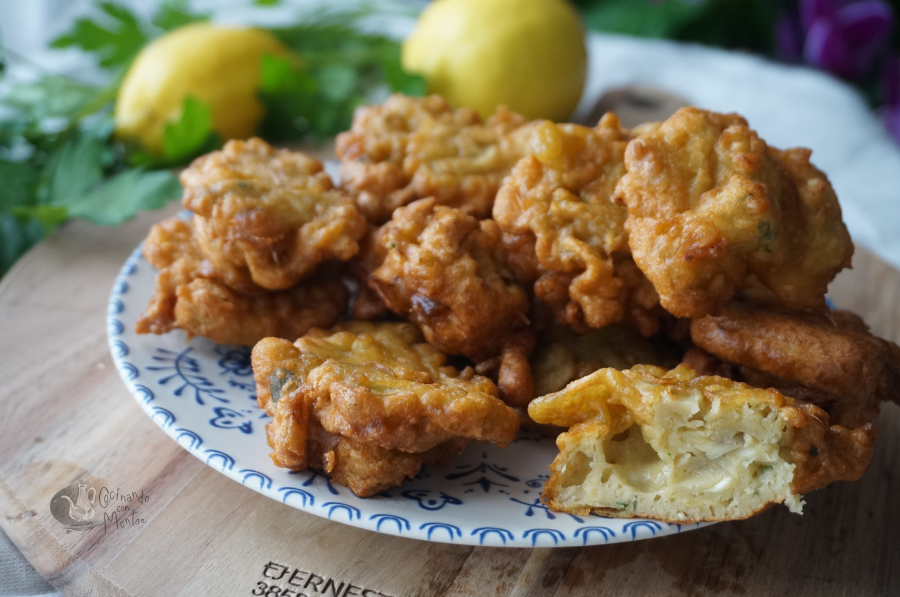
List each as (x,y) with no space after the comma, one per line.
(121,197)
(48,216)
(116,39)
(398,79)
(71,171)
(191,133)
(50,96)
(17,180)
(340,68)
(16,238)
(646,19)
(176,13)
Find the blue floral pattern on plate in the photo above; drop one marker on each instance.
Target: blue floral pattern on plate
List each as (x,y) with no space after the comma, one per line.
(202,395)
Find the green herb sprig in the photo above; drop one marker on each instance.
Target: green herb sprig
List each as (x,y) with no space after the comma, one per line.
(60,160)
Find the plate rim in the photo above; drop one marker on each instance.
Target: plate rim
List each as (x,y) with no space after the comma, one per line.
(125,370)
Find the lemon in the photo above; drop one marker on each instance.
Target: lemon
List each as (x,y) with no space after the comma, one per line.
(528,55)
(220,66)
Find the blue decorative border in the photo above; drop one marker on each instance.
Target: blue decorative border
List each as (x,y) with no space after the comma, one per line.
(179,385)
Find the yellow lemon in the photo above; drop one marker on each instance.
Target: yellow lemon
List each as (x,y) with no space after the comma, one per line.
(528,55)
(220,66)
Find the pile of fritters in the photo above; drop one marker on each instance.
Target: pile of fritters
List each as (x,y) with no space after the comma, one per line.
(567,271)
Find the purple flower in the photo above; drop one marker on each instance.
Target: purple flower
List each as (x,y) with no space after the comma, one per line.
(891,109)
(844,38)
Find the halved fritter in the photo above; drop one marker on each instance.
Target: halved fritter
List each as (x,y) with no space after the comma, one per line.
(684,448)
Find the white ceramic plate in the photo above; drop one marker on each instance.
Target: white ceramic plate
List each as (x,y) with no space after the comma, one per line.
(203,395)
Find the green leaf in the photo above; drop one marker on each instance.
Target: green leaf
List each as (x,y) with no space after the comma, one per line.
(398,79)
(735,24)
(341,67)
(641,17)
(50,96)
(48,216)
(337,82)
(16,238)
(72,171)
(17,181)
(281,75)
(173,14)
(266,2)
(121,197)
(189,135)
(116,39)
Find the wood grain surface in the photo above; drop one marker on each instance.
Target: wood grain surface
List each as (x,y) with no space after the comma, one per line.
(65,415)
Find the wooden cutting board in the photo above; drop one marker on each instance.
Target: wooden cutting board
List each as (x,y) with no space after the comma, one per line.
(66,416)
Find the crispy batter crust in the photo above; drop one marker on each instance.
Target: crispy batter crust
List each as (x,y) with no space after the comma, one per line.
(380,389)
(368,469)
(410,148)
(712,209)
(189,295)
(447,272)
(563,355)
(511,370)
(368,304)
(564,232)
(823,453)
(268,216)
(832,353)
(608,402)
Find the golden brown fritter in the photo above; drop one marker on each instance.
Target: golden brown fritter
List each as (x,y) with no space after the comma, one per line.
(367,304)
(411,148)
(366,468)
(511,370)
(712,209)
(268,216)
(827,357)
(685,448)
(447,272)
(563,356)
(382,388)
(566,234)
(191,296)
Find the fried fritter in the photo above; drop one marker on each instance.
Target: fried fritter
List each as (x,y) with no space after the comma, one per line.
(512,370)
(563,356)
(447,272)
(381,388)
(826,357)
(268,216)
(682,448)
(712,210)
(411,148)
(367,468)
(564,232)
(367,304)
(191,296)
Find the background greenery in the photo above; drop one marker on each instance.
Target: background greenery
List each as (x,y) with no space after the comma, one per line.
(59,158)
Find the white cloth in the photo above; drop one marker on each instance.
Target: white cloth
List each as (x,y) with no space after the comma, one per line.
(17,576)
